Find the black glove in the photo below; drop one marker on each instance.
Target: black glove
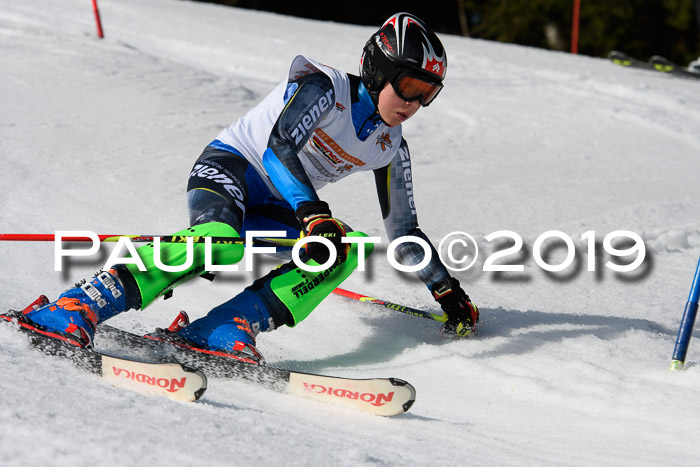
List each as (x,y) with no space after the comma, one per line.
(316,219)
(462,314)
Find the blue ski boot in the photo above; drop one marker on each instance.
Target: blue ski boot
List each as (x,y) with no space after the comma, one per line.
(78,310)
(228,330)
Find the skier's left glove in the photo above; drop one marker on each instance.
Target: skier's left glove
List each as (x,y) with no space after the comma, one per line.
(316,219)
(462,314)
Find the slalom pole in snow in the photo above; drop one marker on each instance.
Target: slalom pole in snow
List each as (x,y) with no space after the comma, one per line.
(686,329)
(441,318)
(258,241)
(100,34)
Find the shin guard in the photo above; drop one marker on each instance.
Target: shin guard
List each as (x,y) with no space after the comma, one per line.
(155,282)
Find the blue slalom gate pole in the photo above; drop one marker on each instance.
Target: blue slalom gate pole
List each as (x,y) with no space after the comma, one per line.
(687,323)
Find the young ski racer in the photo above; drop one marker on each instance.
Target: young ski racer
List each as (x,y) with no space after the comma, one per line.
(264,173)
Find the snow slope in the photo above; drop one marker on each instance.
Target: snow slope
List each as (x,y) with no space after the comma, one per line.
(570,368)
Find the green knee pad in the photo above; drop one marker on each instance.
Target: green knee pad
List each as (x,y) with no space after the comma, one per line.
(301,291)
(154,282)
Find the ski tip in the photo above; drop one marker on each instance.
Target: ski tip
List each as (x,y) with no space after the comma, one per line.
(199,393)
(188,369)
(410,399)
(200,374)
(398,382)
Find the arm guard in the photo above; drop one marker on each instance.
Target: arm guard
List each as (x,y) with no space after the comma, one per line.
(395,190)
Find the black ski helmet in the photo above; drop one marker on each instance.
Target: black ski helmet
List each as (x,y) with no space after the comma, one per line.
(403,45)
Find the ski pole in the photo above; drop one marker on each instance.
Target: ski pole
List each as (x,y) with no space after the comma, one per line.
(441,318)
(686,328)
(149,238)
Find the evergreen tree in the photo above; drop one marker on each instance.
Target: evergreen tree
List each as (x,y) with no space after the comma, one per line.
(638,27)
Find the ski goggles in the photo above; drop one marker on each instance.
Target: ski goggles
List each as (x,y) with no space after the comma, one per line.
(411,88)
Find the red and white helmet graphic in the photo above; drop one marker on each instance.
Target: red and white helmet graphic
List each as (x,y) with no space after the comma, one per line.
(404,44)
(407,40)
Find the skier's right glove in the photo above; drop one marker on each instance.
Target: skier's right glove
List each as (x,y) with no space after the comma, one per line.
(462,314)
(316,219)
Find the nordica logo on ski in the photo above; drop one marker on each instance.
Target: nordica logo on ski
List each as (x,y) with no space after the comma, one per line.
(170,385)
(377,400)
(307,120)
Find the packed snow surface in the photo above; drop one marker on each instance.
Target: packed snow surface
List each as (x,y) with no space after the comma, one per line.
(569,367)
